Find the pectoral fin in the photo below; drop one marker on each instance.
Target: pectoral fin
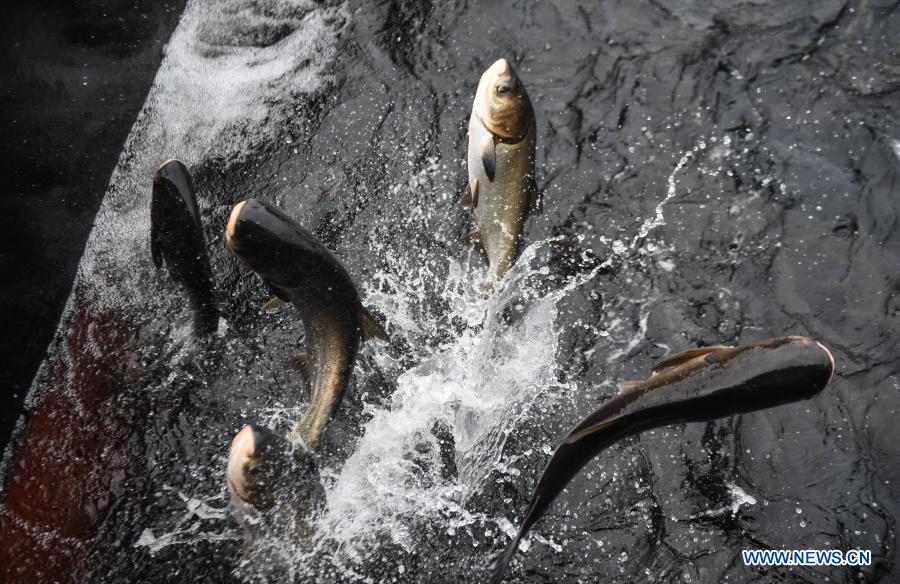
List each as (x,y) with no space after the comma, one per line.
(681,358)
(489,158)
(300,363)
(274,303)
(369,327)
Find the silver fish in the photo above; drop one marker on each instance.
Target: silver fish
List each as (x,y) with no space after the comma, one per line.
(502,191)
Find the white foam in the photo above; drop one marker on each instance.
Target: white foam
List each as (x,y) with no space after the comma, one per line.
(480,386)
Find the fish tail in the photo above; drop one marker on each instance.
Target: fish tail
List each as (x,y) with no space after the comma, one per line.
(499,565)
(206,319)
(205,307)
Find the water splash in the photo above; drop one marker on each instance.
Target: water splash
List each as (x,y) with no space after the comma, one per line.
(200,522)
(659,217)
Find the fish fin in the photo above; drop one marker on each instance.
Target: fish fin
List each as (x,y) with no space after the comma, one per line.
(470,194)
(497,568)
(472,237)
(370,328)
(300,363)
(489,158)
(276,292)
(585,432)
(681,358)
(273,303)
(535,199)
(629,385)
(155,249)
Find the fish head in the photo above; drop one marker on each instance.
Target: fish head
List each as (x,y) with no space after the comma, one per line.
(791,366)
(265,239)
(173,188)
(816,357)
(502,103)
(265,470)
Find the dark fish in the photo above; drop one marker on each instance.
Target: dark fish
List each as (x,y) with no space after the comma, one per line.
(301,270)
(176,236)
(265,471)
(698,385)
(501,190)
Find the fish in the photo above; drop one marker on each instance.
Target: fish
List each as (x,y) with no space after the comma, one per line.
(300,270)
(501,191)
(176,237)
(697,385)
(267,472)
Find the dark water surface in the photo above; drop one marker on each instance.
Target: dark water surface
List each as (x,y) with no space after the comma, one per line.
(73,77)
(734,165)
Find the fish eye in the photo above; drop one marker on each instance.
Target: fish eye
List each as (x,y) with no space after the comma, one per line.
(503,89)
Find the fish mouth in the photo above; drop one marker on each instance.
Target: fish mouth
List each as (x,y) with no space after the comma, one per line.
(232,225)
(499,67)
(163,166)
(830,358)
(164,169)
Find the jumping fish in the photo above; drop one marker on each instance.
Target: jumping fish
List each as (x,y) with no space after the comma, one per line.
(301,270)
(502,191)
(697,385)
(266,471)
(176,236)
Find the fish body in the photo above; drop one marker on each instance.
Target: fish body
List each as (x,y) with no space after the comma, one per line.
(302,271)
(501,191)
(699,385)
(176,237)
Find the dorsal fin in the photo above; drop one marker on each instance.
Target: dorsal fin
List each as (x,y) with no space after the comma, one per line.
(629,385)
(369,327)
(680,358)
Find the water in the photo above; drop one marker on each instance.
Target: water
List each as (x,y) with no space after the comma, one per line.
(726,189)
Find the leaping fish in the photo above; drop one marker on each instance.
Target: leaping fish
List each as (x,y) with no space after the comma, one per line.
(176,236)
(502,191)
(302,271)
(697,385)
